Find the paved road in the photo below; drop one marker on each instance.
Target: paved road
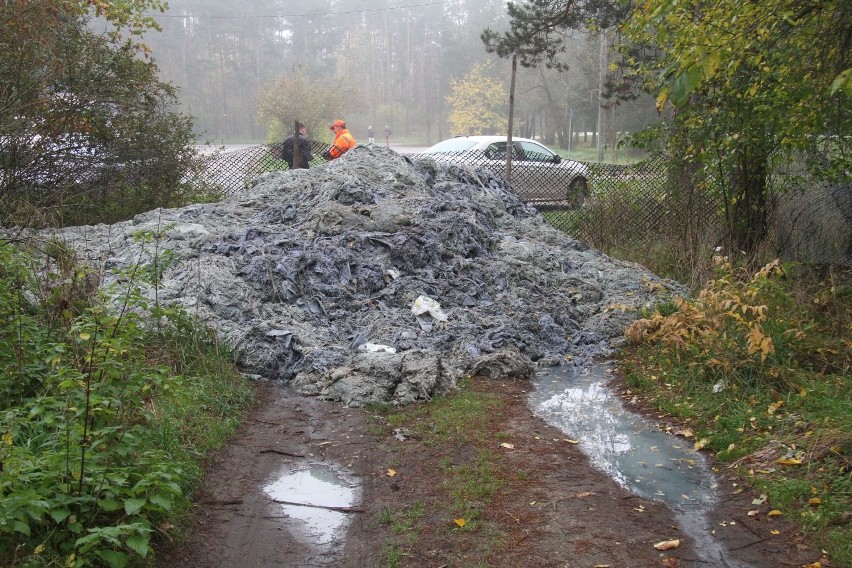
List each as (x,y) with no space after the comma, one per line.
(205,149)
(408,149)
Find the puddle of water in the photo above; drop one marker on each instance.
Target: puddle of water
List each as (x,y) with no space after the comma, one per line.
(632,450)
(310,488)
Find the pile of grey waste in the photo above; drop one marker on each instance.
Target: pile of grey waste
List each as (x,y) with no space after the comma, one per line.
(373,278)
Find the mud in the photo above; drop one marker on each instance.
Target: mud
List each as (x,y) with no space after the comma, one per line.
(554,509)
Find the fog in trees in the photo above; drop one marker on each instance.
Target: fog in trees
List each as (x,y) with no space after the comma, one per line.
(388,63)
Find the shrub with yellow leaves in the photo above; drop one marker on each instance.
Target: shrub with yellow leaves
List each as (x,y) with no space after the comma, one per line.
(757,364)
(729,326)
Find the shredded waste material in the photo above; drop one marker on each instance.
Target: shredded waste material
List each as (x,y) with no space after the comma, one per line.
(375,278)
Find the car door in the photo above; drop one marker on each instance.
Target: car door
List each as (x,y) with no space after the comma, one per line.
(495,155)
(534,173)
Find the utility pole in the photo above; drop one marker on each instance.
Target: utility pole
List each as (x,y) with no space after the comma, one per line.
(570,128)
(297,146)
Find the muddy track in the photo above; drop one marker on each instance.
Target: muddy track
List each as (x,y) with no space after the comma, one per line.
(554,509)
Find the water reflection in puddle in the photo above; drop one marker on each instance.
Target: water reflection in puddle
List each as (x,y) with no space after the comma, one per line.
(632,451)
(639,457)
(310,492)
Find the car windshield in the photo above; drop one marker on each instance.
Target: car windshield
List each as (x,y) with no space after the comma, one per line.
(452,145)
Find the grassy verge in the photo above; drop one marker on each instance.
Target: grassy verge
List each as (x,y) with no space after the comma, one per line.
(757,365)
(588,152)
(105,418)
(462,427)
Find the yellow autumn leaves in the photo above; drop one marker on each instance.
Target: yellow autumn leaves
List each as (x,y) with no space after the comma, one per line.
(758,342)
(726,324)
(476,102)
(667,544)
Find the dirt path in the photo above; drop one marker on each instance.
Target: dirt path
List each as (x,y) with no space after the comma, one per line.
(553,510)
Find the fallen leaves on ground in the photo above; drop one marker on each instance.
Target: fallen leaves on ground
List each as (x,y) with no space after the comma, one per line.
(789,461)
(667,544)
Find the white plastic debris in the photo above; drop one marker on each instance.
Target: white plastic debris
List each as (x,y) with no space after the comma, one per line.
(376,348)
(425,304)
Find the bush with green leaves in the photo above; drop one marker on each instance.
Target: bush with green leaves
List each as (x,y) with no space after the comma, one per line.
(88,131)
(102,418)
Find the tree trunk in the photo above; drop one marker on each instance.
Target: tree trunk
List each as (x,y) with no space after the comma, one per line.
(601,130)
(748,200)
(555,111)
(613,132)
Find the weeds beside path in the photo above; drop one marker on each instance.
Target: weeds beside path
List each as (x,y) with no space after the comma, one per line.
(756,368)
(104,419)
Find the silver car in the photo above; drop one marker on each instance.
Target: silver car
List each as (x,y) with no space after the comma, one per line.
(538,173)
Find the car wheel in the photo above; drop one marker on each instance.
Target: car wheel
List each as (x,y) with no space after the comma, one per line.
(578,191)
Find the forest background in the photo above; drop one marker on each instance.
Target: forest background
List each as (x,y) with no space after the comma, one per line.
(243,75)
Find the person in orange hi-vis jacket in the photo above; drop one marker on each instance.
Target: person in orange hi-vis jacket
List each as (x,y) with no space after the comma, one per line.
(343,141)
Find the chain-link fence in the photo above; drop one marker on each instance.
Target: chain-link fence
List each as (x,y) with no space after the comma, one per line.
(610,206)
(814,223)
(230,172)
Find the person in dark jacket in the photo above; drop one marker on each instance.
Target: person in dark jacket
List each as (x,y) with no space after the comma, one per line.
(288,152)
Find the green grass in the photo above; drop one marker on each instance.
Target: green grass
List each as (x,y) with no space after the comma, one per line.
(456,419)
(462,426)
(471,484)
(404,522)
(587,152)
(392,555)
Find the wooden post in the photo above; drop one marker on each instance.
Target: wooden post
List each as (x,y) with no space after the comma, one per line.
(297,147)
(509,148)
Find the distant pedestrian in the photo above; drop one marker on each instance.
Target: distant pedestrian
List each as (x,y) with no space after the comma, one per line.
(343,141)
(371,135)
(289,154)
(387,135)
